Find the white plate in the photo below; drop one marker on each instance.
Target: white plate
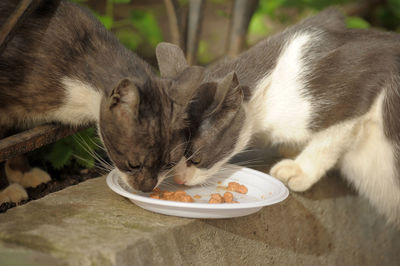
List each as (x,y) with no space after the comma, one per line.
(263,190)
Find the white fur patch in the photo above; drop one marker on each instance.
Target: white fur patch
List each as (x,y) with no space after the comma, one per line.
(277,107)
(82,103)
(281,108)
(319,155)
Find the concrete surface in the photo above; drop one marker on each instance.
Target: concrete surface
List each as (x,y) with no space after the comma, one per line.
(88,224)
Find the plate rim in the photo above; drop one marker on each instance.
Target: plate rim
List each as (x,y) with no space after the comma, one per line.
(190,205)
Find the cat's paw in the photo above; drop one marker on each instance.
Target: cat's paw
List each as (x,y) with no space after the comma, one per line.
(34,177)
(13,193)
(290,172)
(285,170)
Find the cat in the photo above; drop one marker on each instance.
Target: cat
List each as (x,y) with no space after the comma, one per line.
(63,66)
(331,91)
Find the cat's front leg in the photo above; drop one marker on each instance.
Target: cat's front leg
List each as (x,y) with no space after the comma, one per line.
(319,155)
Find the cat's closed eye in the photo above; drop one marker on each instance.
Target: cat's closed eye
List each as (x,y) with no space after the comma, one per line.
(194,160)
(169,166)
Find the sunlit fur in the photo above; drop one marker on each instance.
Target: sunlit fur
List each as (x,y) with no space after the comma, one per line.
(341,113)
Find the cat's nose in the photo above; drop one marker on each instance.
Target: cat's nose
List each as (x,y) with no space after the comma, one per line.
(178,180)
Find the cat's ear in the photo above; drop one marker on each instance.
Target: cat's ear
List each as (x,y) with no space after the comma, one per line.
(184,86)
(171,60)
(227,92)
(124,99)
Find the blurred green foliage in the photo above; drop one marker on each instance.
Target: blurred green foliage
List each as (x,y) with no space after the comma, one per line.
(388,15)
(270,9)
(385,15)
(357,23)
(139,28)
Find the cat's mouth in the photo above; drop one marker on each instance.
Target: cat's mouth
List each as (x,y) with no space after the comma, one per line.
(138,181)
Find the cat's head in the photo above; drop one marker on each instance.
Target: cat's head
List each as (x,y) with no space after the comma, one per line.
(143,125)
(218,126)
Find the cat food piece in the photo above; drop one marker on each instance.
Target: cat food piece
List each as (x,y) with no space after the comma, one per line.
(236,187)
(167,194)
(197,196)
(216,198)
(155,195)
(228,197)
(179,195)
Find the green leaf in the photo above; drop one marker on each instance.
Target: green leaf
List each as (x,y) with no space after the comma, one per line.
(145,22)
(121,1)
(269,7)
(394,6)
(107,21)
(257,25)
(60,155)
(314,4)
(183,2)
(84,145)
(357,23)
(128,38)
(222,13)
(217,1)
(85,160)
(203,54)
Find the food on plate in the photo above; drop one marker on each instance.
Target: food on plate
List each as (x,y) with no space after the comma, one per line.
(236,187)
(228,197)
(179,195)
(216,198)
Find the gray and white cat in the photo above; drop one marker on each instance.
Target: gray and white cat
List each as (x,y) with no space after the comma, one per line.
(64,66)
(333,92)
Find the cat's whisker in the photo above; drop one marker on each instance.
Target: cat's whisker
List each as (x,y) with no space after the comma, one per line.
(96,143)
(97,167)
(92,152)
(250,163)
(192,155)
(179,145)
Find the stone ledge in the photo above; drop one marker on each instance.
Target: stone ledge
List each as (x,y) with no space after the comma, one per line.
(88,224)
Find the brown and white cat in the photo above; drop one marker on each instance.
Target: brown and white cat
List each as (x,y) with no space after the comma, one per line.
(64,66)
(332,91)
